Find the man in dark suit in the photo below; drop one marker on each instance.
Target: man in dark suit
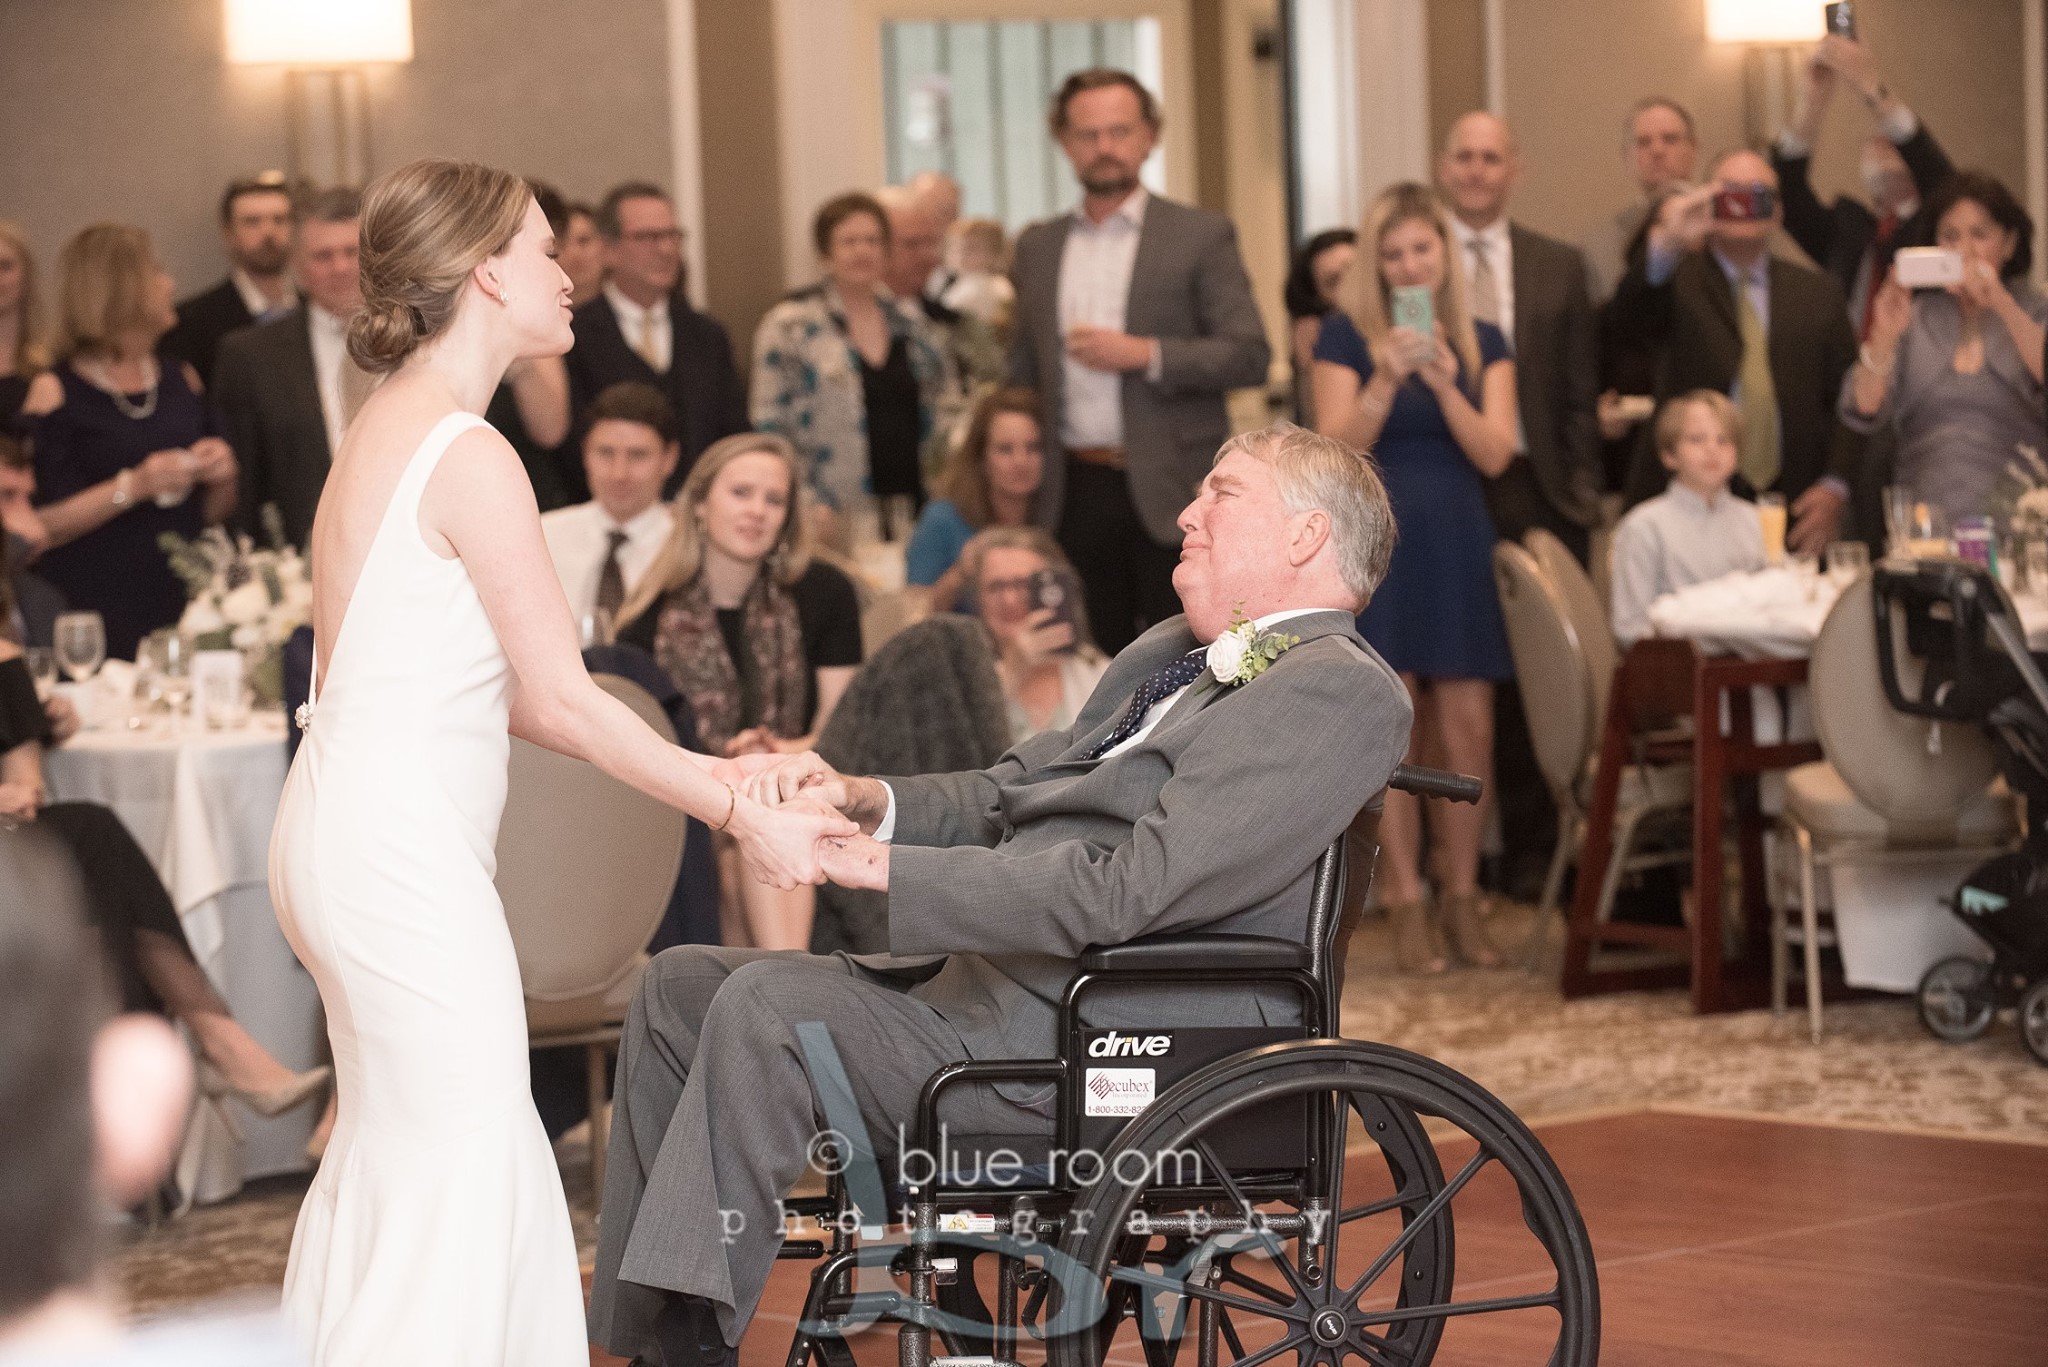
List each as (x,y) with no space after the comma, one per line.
(1176,802)
(30,602)
(256,229)
(277,386)
(1903,166)
(1534,289)
(641,328)
(1725,314)
(1134,317)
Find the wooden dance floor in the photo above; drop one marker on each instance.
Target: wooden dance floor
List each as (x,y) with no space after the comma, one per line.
(1735,1242)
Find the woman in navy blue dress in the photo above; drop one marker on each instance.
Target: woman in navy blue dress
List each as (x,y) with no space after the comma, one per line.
(1437,412)
(125,447)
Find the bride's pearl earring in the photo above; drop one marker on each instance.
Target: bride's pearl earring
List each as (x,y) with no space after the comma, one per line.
(504,298)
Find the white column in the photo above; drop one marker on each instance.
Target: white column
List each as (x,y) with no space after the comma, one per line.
(1497,58)
(686,136)
(1392,93)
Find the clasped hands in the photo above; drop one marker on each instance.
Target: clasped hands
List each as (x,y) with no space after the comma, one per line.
(800,821)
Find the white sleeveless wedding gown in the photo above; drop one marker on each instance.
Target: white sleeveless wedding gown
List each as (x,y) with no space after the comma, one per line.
(436,1230)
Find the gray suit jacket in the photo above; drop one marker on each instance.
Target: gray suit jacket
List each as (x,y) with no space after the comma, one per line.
(1212,822)
(268,399)
(1557,372)
(1188,289)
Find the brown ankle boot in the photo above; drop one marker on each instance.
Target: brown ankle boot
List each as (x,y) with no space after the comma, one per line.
(1466,916)
(1415,942)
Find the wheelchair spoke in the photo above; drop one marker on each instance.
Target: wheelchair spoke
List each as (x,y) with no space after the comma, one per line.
(1326,1235)
(1156,1281)
(1230,1186)
(1430,1312)
(1407,1196)
(1423,1219)
(1272,1293)
(1272,1350)
(1229,1328)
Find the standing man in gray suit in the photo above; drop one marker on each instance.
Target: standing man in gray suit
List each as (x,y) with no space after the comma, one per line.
(1534,289)
(1176,802)
(1134,317)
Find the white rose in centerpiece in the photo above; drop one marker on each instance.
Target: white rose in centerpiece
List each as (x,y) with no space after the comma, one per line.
(246,605)
(298,596)
(1226,655)
(201,617)
(247,636)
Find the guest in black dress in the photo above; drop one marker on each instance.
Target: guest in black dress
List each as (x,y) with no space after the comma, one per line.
(144,945)
(23,354)
(760,639)
(125,448)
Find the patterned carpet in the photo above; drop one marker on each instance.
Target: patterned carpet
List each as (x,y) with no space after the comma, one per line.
(1546,1057)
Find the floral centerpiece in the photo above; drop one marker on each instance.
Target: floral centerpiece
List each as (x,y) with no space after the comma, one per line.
(243,598)
(2022,499)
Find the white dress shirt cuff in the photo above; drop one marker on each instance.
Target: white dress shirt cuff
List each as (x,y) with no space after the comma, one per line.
(1792,147)
(1156,367)
(886,831)
(1900,124)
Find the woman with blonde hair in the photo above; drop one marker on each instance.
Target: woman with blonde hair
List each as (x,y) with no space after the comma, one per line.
(761,638)
(23,354)
(436,1229)
(1437,410)
(1029,598)
(125,448)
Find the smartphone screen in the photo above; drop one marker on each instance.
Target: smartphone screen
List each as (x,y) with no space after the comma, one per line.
(1414,307)
(1744,203)
(1841,18)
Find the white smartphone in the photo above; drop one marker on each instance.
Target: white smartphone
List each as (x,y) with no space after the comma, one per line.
(1927,268)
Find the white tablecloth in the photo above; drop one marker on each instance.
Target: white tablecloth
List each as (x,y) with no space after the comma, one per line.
(201,805)
(1889,919)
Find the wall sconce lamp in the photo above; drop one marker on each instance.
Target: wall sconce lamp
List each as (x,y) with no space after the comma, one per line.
(1770,30)
(326,47)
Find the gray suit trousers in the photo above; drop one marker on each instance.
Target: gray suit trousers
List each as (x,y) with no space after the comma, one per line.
(715,1112)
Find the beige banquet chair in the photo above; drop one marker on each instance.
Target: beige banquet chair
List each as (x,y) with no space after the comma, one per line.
(585,868)
(1585,609)
(1565,672)
(1886,791)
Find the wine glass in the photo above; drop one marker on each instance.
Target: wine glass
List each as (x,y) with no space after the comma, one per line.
(1846,561)
(81,642)
(42,671)
(170,656)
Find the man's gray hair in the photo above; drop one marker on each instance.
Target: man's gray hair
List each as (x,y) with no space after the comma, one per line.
(336,204)
(1319,472)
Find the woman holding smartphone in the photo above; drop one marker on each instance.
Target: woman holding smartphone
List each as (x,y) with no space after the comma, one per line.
(1956,371)
(1404,370)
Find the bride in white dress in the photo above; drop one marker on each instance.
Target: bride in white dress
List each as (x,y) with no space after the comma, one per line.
(436,1230)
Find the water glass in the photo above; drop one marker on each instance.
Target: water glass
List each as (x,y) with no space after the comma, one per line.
(1898,520)
(1806,574)
(81,642)
(169,655)
(42,671)
(1847,560)
(223,701)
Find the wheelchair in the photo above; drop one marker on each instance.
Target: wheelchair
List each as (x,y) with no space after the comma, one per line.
(1238,1194)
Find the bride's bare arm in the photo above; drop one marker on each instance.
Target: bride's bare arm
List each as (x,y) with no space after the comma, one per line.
(480,503)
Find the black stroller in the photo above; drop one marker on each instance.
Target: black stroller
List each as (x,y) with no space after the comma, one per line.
(1955,618)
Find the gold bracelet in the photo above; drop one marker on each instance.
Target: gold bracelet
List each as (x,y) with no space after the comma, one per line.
(730,807)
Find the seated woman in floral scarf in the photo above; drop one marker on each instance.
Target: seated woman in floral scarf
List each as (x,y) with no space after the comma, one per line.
(760,638)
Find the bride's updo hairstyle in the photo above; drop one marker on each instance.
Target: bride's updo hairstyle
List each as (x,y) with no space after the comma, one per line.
(424,228)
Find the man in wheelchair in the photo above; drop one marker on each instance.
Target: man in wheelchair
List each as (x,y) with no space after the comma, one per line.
(1222,753)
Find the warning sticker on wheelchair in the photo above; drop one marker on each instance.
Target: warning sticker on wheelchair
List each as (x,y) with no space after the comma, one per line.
(966,1222)
(1119,1091)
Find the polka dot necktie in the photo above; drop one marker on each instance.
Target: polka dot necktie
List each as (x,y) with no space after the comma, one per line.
(1164,682)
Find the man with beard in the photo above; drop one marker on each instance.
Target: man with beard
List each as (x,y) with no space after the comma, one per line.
(256,229)
(1134,317)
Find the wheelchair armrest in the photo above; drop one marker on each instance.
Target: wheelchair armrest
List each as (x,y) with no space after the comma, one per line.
(1183,953)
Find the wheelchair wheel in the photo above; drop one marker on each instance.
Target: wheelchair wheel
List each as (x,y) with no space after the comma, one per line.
(1956,1000)
(2034,1020)
(1355,1262)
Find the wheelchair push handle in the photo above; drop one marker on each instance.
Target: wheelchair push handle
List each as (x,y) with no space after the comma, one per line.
(1413,778)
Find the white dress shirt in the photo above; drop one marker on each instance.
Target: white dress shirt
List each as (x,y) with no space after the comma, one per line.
(329,336)
(1500,254)
(1094,288)
(633,320)
(579,541)
(887,829)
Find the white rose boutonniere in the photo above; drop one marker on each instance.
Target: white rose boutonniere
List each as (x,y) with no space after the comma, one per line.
(1244,652)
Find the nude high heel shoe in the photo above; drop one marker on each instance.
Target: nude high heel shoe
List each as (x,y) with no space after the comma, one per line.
(269,1101)
(1415,941)
(1466,916)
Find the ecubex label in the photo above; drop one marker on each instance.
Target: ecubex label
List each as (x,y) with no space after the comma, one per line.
(1119,1091)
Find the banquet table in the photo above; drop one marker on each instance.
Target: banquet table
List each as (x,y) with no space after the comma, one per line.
(201,804)
(1750,635)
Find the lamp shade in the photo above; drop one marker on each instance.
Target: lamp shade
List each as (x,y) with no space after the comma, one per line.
(1765,21)
(319,32)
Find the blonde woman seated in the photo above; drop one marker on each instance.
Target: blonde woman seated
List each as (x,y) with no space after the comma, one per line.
(1029,597)
(761,639)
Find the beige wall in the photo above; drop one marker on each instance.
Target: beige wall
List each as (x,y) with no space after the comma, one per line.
(1573,67)
(125,109)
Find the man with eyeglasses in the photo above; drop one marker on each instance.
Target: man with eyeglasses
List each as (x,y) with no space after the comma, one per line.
(641,329)
(1131,365)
